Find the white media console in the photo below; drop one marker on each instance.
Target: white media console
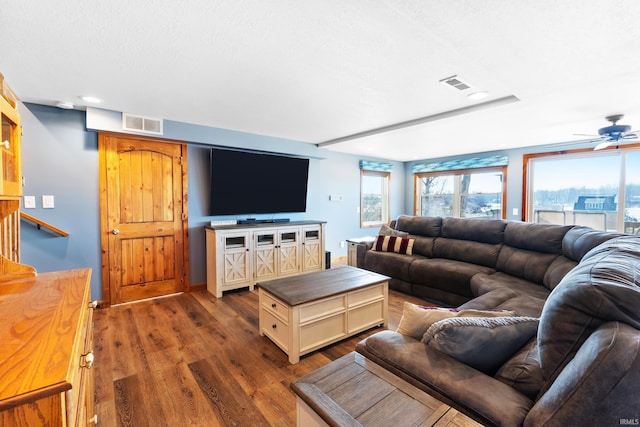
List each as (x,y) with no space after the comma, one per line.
(241,255)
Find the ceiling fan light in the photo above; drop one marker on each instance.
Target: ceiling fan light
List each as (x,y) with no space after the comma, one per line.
(602,145)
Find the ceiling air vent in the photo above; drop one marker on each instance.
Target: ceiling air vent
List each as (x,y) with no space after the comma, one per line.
(455,82)
(134,123)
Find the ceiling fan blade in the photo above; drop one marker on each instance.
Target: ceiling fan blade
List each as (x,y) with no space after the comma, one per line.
(587,134)
(603,145)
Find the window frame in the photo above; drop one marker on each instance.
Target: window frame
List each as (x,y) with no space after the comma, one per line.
(527,190)
(386,178)
(456,172)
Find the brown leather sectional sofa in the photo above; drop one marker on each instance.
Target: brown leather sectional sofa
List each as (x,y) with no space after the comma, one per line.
(583,365)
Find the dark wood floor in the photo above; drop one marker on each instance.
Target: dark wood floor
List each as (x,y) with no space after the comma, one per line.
(194,360)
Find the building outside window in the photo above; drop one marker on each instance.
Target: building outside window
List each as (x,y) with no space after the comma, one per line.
(374,198)
(598,189)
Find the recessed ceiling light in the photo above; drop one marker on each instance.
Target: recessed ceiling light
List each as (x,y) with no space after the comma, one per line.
(478,95)
(64,105)
(91,99)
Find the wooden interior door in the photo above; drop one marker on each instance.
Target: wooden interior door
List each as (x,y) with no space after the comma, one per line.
(143,205)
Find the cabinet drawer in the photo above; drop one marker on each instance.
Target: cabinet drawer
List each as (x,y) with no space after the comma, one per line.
(275,329)
(83,353)
(315,334)
(366,316)
(366,295)
(322,308)
(276,306)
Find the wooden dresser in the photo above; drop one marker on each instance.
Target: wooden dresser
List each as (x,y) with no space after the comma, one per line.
(46,350)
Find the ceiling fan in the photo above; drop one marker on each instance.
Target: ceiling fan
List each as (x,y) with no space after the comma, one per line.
(613,133)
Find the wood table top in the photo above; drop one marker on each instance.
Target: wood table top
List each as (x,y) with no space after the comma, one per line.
(354,391)
(303,288)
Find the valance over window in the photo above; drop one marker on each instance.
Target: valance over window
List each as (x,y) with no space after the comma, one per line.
(375,166)
(450,165)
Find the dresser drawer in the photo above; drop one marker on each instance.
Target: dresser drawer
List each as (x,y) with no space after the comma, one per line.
(82,371)
(276,307)
(366,316)
(363,296)
(322,308)
(275,329)
(320,332)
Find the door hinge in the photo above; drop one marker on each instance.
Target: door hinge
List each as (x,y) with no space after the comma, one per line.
(184,216)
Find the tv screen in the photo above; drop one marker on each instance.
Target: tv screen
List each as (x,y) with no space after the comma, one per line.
(244,183)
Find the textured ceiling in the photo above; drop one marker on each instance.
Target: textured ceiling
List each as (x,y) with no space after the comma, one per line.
(320,70)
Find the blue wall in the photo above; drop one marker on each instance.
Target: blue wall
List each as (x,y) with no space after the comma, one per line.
(60,157)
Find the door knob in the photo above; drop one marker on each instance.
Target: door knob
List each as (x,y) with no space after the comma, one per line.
(115,231)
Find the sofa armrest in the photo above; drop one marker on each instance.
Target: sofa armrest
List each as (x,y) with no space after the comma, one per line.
(361,250)
(599,386)
(471,392)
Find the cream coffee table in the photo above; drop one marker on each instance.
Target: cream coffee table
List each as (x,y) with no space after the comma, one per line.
(303,313)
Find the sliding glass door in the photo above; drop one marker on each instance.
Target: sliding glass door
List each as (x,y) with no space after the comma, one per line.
(596,189)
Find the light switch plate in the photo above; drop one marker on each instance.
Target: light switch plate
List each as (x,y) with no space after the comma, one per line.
(29,202)
(47,202)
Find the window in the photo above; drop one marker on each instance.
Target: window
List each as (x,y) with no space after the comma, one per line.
(467,193)
(374,198)
(598,189)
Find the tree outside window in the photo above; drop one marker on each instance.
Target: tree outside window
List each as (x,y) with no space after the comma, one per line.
(374,198)
(464,194)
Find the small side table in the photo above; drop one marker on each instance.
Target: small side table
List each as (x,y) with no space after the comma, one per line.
(352,249)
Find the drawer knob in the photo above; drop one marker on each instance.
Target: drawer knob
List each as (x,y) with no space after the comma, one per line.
(273,305)
(88,360)
(274,326)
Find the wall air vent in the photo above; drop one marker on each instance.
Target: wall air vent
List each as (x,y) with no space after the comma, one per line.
(139,124)
(456,83)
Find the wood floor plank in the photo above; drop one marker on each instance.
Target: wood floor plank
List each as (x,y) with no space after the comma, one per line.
(197,360)
(232,406)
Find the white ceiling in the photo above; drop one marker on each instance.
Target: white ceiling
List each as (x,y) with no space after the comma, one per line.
(319,70)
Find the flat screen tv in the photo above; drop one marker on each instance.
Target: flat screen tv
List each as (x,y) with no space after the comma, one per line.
(246,183)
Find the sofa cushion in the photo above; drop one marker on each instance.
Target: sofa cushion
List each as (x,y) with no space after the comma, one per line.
(478,230)
(423,245)
(385,230)
(580,240)
(416,319)
(597,387)
(526,264)
(400,245)
(600,289)
(557,270)
(464,386)
(449,275)
(419,225)
(482,283)
(483,343)
(389,263)
(543,238)
(484,254)
(522,371)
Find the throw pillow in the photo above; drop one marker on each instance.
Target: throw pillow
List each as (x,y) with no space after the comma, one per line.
(385,230)
(416,319)
(482,343)
(400,245)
